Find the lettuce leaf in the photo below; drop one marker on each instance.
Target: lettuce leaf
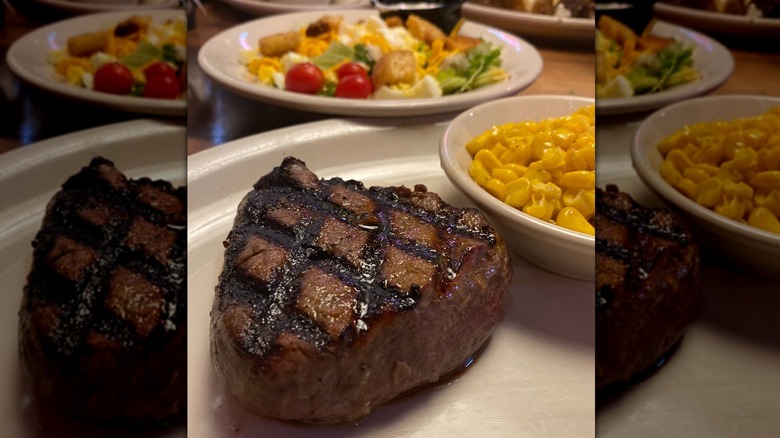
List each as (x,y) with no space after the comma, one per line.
(482,68)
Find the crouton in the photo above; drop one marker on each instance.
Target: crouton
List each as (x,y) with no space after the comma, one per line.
(423,29)
(133,26)
(280,43)
(327,23)
(88,43)
(461,43)
(394,68)
(394,21)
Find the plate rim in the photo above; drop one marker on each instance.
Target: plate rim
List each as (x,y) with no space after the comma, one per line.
(348,107)
(728,24)
(120,103)
(20,160)
(79,7)
(262,7)
(551,20)
(635,104)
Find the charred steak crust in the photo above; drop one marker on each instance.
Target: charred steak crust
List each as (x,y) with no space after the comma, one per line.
(648,285)
(334,298)
(102,327)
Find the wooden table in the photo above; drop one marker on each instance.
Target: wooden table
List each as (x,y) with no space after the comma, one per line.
(217,115)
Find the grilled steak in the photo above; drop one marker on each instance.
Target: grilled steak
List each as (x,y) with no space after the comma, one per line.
(647,285)
(103,320)
(334,298)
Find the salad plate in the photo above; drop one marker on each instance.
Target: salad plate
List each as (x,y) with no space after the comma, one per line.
(533,379)
(221,59)
(711,59)
(265,7)
(29,177)
(525,24)
(718,23)
(30,59)
(81,7)
(722,379)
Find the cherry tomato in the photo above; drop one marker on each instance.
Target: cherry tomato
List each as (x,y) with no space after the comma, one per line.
(351,68)
(113,78)
(304,78)
(354,86)
(159,68)
(162,87)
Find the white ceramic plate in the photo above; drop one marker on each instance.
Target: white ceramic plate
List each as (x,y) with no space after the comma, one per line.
(264,7)
(718,23)
(722,381)
(534,379)
(220,58)
(28,57)
(713,61)
(580,31)
(29,177)
(80,7)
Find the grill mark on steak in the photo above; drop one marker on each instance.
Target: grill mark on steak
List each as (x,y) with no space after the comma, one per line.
(398,220)
(640,225)
(81,299)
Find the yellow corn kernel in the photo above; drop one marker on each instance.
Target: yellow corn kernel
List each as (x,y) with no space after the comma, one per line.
(504,175)
(548,190)
(745,158)
(688,187)
(488,159)
(588,154)
(695,174)
(572,219)
(670,173)
(769,179)
(738,189)
(769,199)
(709,192)
(516,168)
(711,170)
(764,219)
(518,193)
(674,141)
(553,158)
(539,207)
(582,179)
(577,123)
(535,172)
(563,138)
(481,142)
(731,207)
(755,138)
(478,172)
(541,143)
(679,159)
(583,200)
(498,149)
(690,149)
(496,188)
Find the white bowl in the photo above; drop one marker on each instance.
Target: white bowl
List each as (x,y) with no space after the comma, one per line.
(747,247)
(556,249)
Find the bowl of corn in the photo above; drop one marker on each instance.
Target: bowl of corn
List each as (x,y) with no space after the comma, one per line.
(717,160)
(528,162)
